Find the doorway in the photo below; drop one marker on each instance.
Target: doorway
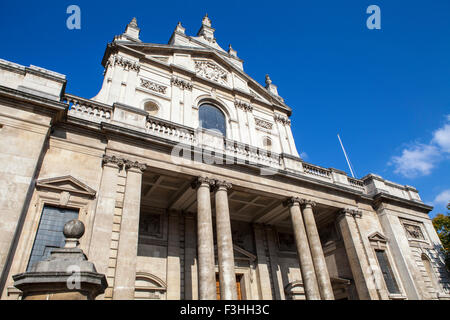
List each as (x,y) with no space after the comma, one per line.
(238,286)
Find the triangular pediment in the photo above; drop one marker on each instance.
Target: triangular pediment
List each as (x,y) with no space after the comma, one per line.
(239,253)
(66,183)
(377,236)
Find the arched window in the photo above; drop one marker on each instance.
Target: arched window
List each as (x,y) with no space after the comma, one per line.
(210,117)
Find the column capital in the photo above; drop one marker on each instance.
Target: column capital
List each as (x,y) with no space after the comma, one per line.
(112,161)
(199,181)
(350,212)
(302,202)
(135,166)
(221,184)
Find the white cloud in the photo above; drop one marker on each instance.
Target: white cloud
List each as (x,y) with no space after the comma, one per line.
(304,155)
(443,197)
(416,161)
(420,159)
(442,137)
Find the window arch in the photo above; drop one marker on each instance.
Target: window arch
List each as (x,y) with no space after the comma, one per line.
(212,118)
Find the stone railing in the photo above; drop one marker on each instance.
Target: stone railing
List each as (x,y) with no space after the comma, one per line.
(252,154)
(236,151)
(88,109)
(310,169)
(356,183)
(170,130)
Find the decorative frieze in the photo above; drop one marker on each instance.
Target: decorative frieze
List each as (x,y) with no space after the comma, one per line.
(281,118)
(153,86)
(211,71)
(183,84)
(263,124)
(243,105)
(126,64)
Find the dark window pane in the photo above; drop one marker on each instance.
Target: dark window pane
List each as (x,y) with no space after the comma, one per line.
(387,272)
(212,118)
(50,232)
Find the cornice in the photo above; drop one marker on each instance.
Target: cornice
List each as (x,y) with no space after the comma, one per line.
(383,197)
(14,95)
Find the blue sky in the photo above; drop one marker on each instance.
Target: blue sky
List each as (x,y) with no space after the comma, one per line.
(387,92)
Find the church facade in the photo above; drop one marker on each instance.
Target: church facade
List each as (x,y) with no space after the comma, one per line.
(186,175)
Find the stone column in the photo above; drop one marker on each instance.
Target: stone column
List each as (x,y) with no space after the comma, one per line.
(173,257)
(356,255)
(103,221)
(129,231)
(225,254)
(205,241)
(304,254)
(320,265)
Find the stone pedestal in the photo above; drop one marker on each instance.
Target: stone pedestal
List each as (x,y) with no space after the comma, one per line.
(65,275)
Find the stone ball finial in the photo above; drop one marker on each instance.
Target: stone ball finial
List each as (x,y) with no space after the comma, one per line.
(74,229)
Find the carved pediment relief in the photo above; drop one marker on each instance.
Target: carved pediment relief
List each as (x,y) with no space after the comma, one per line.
(66,184)
(211,71)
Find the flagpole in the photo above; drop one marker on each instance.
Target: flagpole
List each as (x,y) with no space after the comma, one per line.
(345,154)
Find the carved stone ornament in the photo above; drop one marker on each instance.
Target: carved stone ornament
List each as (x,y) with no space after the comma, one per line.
(221,184)
(183,84)
(281,118)
(202,180)
(135,165)
(153,86)
(351,212)
(211,71)
(123,62)
(413,231)
(263,124)
(113,160)
(243,105)
(295,200)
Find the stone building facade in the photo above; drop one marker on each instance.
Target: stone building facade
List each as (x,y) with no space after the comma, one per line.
(186,175)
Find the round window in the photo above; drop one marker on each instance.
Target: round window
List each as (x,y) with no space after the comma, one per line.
(151,107)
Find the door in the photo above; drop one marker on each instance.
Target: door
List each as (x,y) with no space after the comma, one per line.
(238,286)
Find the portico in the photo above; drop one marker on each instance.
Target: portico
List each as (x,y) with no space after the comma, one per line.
(186,175)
